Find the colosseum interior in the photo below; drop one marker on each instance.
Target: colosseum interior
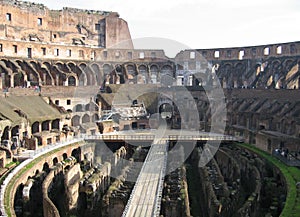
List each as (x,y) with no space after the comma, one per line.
(61,73)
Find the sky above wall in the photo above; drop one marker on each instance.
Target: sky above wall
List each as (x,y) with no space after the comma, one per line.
(203,23)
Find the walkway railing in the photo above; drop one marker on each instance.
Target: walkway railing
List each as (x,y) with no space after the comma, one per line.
(202,137)
(145,198)
(120,137)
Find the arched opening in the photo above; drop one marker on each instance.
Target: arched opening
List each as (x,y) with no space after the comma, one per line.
(65,156)
(55,124)
(77,154)
(107,69)
(15,131)
(143,75)
(71,81)
(88,107)
(166,111)
(19,80)
(86,118)
(18,201)
(167,70)
(35,128)
(45,125)
(95,117)
(78,108)
(5,134)
(131,74)
(55,161)
(46,167)
(154,74)
(75,121)
(96,70)
(120,73)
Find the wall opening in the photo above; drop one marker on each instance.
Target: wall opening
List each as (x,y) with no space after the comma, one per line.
(266,51)
(43,51)
(241,54)
(29,52)
(192,55)
(56,52)
(40,21)
(279,50)
(8,16)
(15,48)
(217,54)
(69,53)
(142,55)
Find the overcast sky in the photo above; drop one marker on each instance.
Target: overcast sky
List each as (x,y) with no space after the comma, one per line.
(203,23)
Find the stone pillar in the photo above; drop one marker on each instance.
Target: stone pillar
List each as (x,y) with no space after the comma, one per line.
(40,127)
(12,81)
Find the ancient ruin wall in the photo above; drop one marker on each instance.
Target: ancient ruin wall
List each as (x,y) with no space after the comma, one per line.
(49,208)
(33,22)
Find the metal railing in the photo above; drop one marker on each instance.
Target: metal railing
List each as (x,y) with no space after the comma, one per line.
(159,190)
(120,137)
(202,137)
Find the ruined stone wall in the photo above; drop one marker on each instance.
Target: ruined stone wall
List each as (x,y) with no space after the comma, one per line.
(71,182)
(251,52)
(235,182)
(34,22)
(49,208)
(267,118)
(22,179)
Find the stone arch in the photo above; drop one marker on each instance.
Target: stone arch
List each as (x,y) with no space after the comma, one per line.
(59,75)
(54,161)
(85,118)
(226,72)
(88,73)
(167,70)
(154,74)
(18,199)
(32,75)
(107,69)
(288,64)
(143,75)
(7,73)
(72,80)
(95,117)
(88,107)
(98,73)
(65,156)
(49,76)
(45,125)
(239,71)
(78,108)
(5,134)
(120,72)
(75,120)
(77,154)
(55,124)
(131,73)
(82,76)
(35,128)
(46,167)
(19,79)
(166,110)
